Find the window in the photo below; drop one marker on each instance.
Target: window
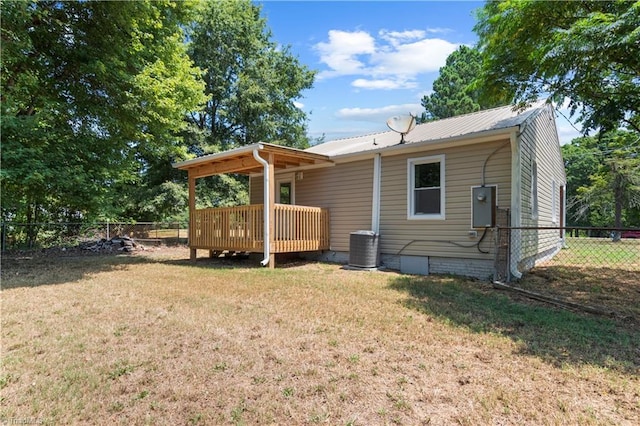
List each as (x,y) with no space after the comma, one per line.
(285,193)
(426,188)
(285,189)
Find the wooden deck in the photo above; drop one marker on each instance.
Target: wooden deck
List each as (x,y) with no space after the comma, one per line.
(241,228)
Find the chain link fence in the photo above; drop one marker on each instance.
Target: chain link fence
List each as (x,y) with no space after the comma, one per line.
(519,249)
(26,236)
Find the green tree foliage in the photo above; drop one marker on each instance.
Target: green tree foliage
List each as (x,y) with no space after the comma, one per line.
(251,81)
(581,161)
(603,176)
(455,90)
(252,84)
(90,92)
(586,51)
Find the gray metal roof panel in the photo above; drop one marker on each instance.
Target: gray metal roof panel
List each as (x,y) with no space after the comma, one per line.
(459,126)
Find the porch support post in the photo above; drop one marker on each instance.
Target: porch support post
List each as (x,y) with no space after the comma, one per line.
(271,207)
(192,213)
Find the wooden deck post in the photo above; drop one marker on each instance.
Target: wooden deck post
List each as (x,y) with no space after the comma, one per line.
(193,253)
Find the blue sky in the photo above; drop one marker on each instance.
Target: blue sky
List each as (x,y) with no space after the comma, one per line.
(374,59)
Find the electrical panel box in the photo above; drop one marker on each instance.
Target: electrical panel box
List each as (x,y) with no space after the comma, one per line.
(483,203)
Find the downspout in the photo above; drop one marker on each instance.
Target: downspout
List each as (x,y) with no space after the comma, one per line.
(267,202)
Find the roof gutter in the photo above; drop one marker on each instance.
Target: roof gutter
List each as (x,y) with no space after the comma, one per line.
(267,203)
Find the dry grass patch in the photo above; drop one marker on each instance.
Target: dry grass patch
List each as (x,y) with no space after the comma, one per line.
(595,272)
(615,290)
(155,339)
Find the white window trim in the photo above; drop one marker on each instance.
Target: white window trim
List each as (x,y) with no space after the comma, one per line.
(286,178)
(411,162)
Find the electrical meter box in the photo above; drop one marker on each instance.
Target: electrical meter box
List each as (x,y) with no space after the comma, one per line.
(483,206)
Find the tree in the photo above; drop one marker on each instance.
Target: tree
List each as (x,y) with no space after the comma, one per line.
(581,161)
(252,84)
(605,173)
(455,90)
(586,51)
(90,92)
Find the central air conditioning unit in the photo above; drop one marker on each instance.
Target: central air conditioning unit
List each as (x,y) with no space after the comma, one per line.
(363,249)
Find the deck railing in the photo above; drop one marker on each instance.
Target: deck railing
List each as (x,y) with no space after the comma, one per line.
(241,228)
(300,228)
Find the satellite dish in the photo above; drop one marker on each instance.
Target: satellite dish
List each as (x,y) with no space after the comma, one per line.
(402,124)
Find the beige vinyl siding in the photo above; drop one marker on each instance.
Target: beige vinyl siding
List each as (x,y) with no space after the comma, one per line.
(256,190)
(539,143)
(550,167)
(527,156)
(433,237)
(345,189)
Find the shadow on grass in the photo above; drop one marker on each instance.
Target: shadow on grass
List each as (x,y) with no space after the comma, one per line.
(39,268)
(283,261)
(615,289)
(213,263)
(557,336)
(33,269)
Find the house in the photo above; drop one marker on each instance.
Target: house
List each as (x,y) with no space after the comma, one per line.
(437,199)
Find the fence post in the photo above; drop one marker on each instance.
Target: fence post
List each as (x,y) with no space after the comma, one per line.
(107,229)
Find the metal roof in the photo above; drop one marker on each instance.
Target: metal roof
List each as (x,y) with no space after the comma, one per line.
(240,160)
(462,126)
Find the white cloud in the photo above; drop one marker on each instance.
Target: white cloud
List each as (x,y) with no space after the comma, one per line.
(342,51)
(378,115)
(348,131)
(396,37)
(439,30)
(298,105)
(394,60)
(568,128)
(422,94)
(384,84)
(410,59)
(566,133)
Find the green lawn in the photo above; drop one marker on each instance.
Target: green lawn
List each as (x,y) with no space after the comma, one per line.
(600,252)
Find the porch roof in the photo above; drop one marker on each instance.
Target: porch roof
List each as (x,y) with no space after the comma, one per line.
(241,160)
